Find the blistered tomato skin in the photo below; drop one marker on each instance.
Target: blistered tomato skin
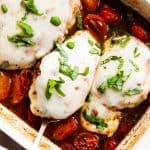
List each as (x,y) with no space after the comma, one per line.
(110,16)
(86,141)
(64,129)
(139,32)
(67,146)
(20,86)
(110,145)
(90,5)
(5,86)
(96,25)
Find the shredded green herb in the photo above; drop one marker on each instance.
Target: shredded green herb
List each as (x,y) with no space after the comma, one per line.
(136,68)
(23,38)
(91,43)
(30,7)
(133,91)
(99,122)
(79,20)
(70,45)
(136,53)
(102,87)
(116,82)
(148,44)
(114,58)
(4,8)
(54,86)
(120,40)
(94,51)
(85,72)
(55,20)
(61,51)
(4,64)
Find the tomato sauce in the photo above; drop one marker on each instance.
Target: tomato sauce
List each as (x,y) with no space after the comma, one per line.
(98,18)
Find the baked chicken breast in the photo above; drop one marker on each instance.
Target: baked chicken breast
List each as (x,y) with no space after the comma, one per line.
(28,29)
(66,76)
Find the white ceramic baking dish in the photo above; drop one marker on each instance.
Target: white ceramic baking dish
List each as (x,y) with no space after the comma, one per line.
(23,134)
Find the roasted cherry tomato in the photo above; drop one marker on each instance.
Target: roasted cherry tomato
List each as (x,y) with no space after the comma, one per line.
(96,25)
(138,31)
(125,126)
(67,146)
(86,141)
(110,16)
(5,86)
(20,86)
(64,129)
(90,5)
(32,118)
(110,145)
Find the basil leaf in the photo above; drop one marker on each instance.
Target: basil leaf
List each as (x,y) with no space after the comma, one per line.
(116,82)
(27,29)
(91,43)
(54,86)
(55,20)
(99,122)
(120,40)
(79,20)
(70,45)
(4,8)
(61,51)
(30,7)
(23,38)
(133,91)
(102,87)
(94,51)
(4,64)
(136,53)
(136,68)
(66,69)
(86,72)
(148,44)
(114,58)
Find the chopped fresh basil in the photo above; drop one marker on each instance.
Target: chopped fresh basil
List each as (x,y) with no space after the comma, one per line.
(54,86)
(79,20)
(148,44)
(116,82)
(102,87)
(85,72)
(91,43)
(98,45)
(94,51)
(27,29)
(114,58)
(136,53)
(61,51)
(4,8)
(88,98)
(55,20)
(67,70)
(133,91)
(72,73)
(30,7)
(23,38)
(136,68)
(99,122)
(121,40)
(4,64)
(70,45)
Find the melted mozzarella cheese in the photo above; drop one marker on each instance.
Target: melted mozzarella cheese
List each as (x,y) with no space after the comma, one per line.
(44,32)
(110,117)
(137,70)
(59,107)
